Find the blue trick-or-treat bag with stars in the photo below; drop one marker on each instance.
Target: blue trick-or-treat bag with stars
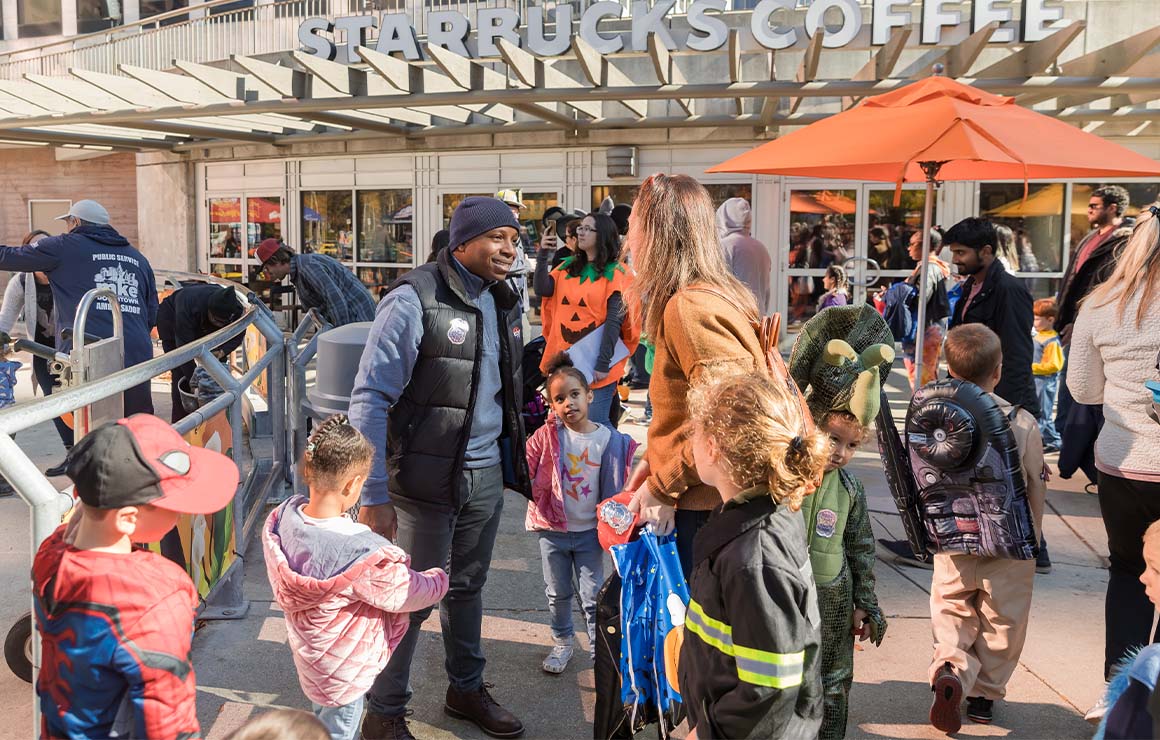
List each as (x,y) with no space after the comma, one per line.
(653,599)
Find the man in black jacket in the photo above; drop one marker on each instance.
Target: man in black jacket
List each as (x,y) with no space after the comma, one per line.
(189,314)
(1091,263)
(998,300)
(438,393)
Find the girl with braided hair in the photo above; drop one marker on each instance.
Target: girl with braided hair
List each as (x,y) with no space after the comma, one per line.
(347,592)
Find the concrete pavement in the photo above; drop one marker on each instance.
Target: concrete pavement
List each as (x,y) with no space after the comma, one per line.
(244,667)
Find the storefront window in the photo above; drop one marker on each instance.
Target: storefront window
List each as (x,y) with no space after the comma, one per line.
(225,225)
(226,271)
(38,18)
(378,279)
(532,216)
(1140,195)
(263,221)
(1036,222)
(327,224)
(451,201)
(97,15)
(891,226)
(385,226)
(821,234)
(821,227)
(719,192)
(618,193)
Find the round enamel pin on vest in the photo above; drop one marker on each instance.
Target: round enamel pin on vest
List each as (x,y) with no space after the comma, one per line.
(457,334)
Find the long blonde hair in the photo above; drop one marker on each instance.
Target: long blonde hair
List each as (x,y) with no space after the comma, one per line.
(672,237)
(1137,269)
(758,428)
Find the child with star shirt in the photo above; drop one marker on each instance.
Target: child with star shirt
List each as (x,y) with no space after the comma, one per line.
(575,464)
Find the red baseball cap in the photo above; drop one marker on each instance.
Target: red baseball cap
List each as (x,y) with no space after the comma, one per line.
(615,523)
(143,460)
(267,248)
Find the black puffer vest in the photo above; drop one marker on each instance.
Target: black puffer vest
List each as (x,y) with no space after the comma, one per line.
(429,427)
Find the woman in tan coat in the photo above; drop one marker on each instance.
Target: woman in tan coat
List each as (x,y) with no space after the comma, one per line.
(701,318)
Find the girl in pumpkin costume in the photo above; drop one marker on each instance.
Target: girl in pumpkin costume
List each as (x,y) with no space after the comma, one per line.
(586,295)
(843,394)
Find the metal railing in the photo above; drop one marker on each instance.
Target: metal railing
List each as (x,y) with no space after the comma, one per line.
(298,357)
(261,474)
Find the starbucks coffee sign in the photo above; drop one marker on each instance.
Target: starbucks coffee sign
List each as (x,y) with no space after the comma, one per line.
(772,23)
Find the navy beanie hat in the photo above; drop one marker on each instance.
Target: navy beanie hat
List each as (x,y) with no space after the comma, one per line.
(478,215)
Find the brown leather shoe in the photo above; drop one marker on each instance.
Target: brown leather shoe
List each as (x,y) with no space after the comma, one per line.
(478,707)
(381,727)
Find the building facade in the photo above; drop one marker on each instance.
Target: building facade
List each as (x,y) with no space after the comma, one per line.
(355,131)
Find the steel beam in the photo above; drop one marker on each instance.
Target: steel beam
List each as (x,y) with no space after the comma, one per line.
(1049,86)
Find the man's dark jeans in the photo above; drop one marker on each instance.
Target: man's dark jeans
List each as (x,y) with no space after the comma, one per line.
(460,541)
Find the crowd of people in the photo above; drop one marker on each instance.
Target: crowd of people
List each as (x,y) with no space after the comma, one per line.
(745,472)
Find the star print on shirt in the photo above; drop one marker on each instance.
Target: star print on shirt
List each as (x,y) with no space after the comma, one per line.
(575,475)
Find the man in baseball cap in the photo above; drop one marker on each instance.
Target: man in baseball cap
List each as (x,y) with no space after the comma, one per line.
(86,210)
(438,393)
(133,608)
(321,282)
(92,254)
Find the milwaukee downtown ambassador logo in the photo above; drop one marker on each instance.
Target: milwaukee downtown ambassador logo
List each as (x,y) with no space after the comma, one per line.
(123,283)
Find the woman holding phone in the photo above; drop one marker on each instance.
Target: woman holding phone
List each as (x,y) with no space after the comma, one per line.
(585,294)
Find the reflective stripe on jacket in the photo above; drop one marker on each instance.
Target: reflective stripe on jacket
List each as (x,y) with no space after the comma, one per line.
(749,663)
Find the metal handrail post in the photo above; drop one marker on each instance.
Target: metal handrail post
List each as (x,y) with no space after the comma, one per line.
(82,315)
(231,602)
(276,383)
(298,379)
(84,420)
(47,507)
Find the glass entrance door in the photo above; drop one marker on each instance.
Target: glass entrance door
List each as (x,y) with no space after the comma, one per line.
(855,226)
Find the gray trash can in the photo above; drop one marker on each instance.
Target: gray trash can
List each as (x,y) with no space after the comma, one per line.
(339,352)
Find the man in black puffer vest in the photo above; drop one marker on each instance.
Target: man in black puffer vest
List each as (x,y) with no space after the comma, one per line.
(439,392)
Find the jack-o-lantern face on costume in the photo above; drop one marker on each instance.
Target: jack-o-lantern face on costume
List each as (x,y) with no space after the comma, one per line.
(572,317)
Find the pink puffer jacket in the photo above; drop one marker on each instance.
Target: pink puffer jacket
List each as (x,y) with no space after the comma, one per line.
(546,509)
(343,628)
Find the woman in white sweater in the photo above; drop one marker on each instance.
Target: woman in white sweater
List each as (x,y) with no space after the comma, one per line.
(1113,351)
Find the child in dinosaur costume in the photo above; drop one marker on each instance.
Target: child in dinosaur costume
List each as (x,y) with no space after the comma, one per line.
(842,388)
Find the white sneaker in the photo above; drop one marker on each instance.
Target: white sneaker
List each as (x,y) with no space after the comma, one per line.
(1097,712)
(557,660)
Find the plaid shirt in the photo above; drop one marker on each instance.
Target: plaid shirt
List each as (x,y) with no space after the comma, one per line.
(324,283)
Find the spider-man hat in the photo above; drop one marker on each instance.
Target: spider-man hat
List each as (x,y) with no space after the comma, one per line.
(143,460)
(615,523)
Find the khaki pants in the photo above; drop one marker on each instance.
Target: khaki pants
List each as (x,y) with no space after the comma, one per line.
(978,616)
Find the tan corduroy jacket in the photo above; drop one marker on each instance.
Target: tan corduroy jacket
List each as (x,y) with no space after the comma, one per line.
(701,333)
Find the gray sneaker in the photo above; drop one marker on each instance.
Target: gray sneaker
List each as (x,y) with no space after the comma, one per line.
(557,660)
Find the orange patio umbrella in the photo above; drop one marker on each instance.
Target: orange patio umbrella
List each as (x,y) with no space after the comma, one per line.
(934,130)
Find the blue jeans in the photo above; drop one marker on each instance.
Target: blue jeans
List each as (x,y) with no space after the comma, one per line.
(600,410)
(343,722)
(1046,387)
(460,540)
(564,554)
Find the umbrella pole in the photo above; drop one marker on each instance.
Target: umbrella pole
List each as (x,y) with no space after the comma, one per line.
(931,169)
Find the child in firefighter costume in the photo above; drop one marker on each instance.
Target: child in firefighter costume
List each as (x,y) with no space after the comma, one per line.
(842,381)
